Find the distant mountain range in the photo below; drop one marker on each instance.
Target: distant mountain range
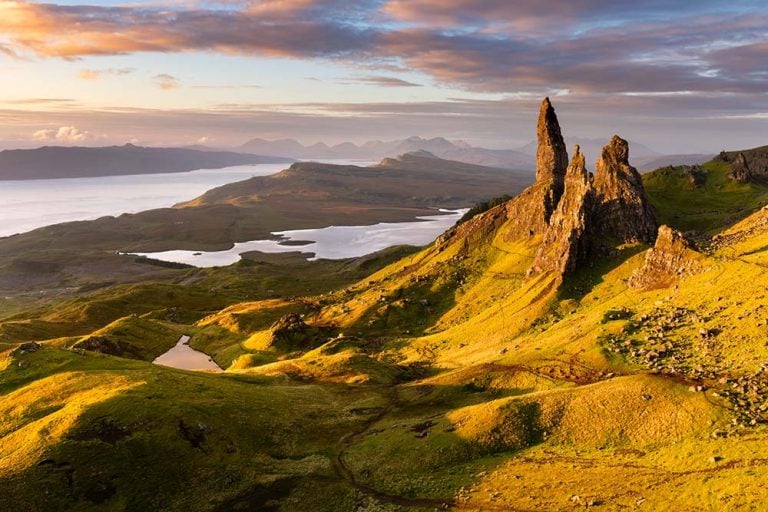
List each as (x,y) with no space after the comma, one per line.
(376,150)
(51,162)
(523,158)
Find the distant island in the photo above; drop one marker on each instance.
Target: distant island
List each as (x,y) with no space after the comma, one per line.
(53,162)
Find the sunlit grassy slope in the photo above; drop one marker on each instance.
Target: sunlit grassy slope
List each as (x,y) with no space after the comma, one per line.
(446,379)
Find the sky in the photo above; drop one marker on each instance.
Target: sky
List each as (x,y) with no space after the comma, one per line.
(680,76)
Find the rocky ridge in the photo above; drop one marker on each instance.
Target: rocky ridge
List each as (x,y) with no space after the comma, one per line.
(572,211)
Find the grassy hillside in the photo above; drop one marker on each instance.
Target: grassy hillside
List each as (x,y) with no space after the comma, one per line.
(440,379)
(717,203)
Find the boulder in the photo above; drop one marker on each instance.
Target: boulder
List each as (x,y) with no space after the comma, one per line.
(671,258)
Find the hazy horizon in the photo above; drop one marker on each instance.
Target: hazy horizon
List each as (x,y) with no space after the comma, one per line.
(679,77)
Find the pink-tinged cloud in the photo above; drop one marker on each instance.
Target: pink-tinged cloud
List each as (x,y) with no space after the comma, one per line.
(639,54)
(64,135)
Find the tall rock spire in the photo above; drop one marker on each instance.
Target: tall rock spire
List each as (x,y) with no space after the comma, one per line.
(566,241)
(622,209)
(551,156)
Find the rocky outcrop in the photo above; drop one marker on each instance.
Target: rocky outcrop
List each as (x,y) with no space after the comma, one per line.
(108,346)
(747,165)
(571,211)
(740,169)
(622,212)
(671,258)
(290,332)
(696,174)
(566,241)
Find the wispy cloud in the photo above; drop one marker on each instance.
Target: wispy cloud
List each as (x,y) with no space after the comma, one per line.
(227,86)
(97,74)
(166,81)
(39,101)
(385,81)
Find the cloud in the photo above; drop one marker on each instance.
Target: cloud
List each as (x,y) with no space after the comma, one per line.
(97,74)
(386,81)
(227,86)
(634,62)
(586,46)
(40,101)
(65,134)
(166,81)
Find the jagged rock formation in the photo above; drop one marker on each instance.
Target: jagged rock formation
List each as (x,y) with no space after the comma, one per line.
(551,156)
(622,209)
(572,211)
(531,210)
(565,243)
(612,206)
(746,165)
(740,169)
(528,213)
(671,258)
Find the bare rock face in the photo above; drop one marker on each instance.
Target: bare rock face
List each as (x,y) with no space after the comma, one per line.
(747,164)
(671,258)
(551,156)
(740,169)
(567,241)
(622,210)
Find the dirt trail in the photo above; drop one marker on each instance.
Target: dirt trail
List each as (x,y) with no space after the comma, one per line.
(344,472)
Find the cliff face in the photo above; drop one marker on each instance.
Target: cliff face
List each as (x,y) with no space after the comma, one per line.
(622,210)
(740,169)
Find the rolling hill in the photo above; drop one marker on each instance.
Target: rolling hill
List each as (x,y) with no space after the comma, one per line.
(557,351)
